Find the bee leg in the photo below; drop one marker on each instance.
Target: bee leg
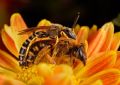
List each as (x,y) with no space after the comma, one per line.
(56,41)
(51,60)
(41,54)
(69,33)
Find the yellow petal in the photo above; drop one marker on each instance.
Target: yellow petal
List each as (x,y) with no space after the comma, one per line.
(97,82)
(77,28)
(117,64)
(9,43)
(82,34)
(109,28)
(115,42)
(5,80)
(108,77)
(44,22)
(36,81)
(8,62)
(62,75)
(44,69)
(97,63)
(7,72)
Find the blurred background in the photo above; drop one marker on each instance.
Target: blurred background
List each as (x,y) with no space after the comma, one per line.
(62,11)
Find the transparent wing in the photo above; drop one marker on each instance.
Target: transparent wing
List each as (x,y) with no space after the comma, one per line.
(33,29)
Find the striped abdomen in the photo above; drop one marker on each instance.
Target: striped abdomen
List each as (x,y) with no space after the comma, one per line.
(23,58)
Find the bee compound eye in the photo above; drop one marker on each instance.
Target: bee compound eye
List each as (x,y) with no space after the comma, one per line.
(69,33)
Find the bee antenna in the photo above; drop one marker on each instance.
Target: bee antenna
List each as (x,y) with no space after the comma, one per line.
(76,19)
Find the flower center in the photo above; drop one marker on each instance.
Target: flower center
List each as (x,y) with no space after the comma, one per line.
(30,76)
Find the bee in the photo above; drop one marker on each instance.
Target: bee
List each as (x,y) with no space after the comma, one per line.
(43,41)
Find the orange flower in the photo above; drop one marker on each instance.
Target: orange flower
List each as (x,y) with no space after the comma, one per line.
(102,68)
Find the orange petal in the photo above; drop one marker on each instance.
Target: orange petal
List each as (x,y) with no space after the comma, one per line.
(95,45)
(100,41)
(2,46)
(17,23)
(115,42)
(108,77)
(97,63)
(117,64)
(44,22)
(8,62)
(82,34)
(5,80)
(11,33)
(92,33)
(9,43)
(109,28)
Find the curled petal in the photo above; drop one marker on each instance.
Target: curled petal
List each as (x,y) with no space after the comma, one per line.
(11,33)
(9,43)
(8,62)
(5,80)
(17,24)
(44,22)
(115,42)
(97,63)
(2,46)
(82,34)
(108,77)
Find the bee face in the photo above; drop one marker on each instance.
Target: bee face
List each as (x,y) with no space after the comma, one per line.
(79,53)
(69,33)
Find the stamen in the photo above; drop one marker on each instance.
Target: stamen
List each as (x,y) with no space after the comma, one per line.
(29,74)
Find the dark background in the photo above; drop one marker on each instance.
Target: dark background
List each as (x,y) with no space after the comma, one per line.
(62,11)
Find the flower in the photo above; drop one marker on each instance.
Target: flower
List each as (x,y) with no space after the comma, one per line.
(103,57)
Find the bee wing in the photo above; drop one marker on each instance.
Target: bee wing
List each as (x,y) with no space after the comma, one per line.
(32,29)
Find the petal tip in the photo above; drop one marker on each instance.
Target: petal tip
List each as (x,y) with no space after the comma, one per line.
(44,22)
